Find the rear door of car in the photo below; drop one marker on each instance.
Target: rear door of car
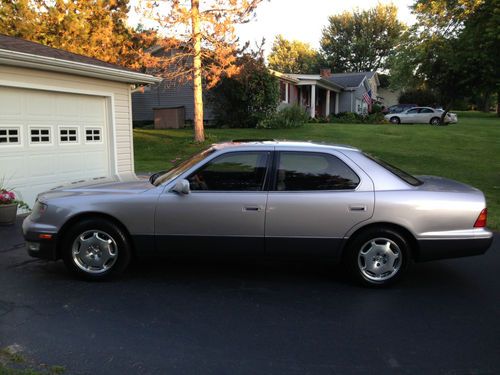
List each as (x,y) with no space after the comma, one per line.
(224,211)
(425,115)
(314,199)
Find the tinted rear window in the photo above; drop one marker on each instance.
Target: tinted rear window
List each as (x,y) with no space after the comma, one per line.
(408,178)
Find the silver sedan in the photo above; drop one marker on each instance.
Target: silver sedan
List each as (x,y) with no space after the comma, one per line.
(421,115)
(264,198)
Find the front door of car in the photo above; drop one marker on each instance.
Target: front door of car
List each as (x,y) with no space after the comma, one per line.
(411,116)
(224,212)
(315,199)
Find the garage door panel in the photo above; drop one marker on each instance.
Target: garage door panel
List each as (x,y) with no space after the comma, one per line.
(66,107)
(70,162)
(10,105)
(34,168)
(39,104)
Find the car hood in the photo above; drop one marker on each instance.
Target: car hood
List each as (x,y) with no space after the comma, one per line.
(129,184)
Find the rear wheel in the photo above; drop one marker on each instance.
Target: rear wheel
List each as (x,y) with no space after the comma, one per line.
(395,120)
(95,249)
(378,256)
(435,121)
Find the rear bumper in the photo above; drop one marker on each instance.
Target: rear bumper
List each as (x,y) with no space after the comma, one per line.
(37,247)
(444,248)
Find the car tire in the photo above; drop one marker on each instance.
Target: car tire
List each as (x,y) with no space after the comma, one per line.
(96,249)
(435,121)
(378,257)
(395,120)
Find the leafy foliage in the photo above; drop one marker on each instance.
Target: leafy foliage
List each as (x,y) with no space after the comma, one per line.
(93,28)
(419,97)
(293,57)
(246,99)
(355,118)
(288,117)
(452,50)
(361,40)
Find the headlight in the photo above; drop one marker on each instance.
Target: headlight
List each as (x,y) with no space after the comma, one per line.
(38,210)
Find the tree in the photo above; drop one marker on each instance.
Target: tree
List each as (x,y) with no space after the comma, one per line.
(94,28)
(247,98)
(361,40)
(419,97)
(293,57)
(202,36)
(452,50)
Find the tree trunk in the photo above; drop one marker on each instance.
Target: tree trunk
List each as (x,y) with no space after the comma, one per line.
(199,134)
(443,115)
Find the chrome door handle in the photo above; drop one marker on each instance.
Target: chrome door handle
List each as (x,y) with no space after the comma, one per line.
(357,208)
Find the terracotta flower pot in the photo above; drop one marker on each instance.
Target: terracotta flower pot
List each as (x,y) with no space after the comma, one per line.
(8,213)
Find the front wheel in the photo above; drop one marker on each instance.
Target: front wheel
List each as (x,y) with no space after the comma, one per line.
(95,249)
(378,257)
(395,120)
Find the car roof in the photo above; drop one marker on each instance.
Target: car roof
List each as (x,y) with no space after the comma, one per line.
(409,109)
(299,145)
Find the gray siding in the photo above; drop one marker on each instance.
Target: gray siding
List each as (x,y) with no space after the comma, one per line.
(166,94)
(345,101)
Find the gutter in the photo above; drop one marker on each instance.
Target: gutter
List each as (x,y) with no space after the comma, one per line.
(27,60)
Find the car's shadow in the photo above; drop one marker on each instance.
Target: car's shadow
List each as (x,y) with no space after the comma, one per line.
(434,275)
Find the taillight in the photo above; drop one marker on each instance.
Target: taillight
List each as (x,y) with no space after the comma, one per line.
(481,219)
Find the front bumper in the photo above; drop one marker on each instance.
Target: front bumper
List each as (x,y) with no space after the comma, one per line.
(463,246)
(43,248)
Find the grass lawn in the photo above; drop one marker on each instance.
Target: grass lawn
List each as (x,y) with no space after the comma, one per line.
(468,151)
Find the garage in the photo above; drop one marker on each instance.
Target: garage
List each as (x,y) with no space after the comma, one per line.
(63,117)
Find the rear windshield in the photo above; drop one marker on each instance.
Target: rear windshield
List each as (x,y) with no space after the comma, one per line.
(408,178)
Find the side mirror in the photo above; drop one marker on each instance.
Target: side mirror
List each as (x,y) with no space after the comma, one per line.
(182,187)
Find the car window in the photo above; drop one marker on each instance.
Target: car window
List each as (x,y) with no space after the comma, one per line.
(313,171)
(396,171)
(414,110)
(164,176)
(426,110)
(235,171)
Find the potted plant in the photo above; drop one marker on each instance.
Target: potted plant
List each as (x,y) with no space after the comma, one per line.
(9,205)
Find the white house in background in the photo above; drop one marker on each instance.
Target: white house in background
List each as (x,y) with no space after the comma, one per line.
(329,93)
(63,117)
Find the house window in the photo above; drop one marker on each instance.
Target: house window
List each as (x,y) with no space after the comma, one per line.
(93,135)
(40,135)
(358,106)
(68,135)
(9,136)
(284,90)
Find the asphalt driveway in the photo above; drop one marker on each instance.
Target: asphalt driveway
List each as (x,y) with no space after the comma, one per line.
(180,317)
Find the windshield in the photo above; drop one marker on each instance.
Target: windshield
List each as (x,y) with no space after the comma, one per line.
(395,170)
(161,177)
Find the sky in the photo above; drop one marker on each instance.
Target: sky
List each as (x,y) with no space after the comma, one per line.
(301,19)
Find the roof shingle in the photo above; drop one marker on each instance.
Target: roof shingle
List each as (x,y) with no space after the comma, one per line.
(349,79)
(20,45)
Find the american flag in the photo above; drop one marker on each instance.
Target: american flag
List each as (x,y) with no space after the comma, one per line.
(367,97)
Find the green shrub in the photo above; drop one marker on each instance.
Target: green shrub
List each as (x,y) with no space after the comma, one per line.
(376,108)
(246,99)
(289,117)
(354,118)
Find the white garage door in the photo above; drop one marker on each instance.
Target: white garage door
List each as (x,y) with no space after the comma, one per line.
(49,138)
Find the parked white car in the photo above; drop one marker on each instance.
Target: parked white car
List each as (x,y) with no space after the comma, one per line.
(421,115)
